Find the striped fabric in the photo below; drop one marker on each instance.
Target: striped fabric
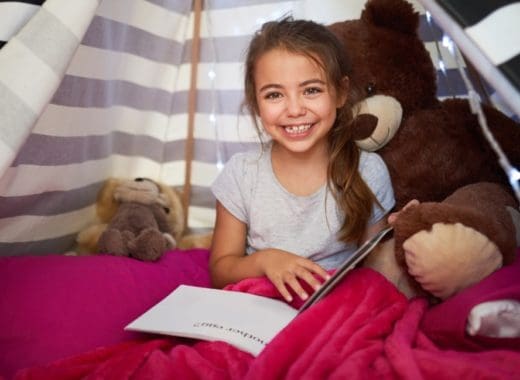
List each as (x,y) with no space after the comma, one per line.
(121,105)
(38,54)
(488,33)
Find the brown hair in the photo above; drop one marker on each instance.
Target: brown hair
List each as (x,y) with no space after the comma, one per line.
(318,43)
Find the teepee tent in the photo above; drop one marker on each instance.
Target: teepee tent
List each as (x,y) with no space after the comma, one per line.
(95,89)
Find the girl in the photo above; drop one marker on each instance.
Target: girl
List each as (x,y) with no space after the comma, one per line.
(302,205)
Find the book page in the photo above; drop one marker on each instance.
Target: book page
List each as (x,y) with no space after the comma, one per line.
(244,320)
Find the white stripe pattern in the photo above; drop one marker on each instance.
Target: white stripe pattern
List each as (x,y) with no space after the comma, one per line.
(14,230)
(146,16)
(22,68)
(15,16)
(498,35)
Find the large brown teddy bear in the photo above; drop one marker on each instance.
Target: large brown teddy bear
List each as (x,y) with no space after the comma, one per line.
(463,228)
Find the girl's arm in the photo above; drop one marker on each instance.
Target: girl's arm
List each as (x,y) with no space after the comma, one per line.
(373,229)
(229,262)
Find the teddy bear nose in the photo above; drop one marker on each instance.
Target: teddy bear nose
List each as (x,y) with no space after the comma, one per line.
(139,179)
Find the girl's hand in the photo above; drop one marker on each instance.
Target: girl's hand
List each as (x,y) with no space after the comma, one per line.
(393,216)
(284,269)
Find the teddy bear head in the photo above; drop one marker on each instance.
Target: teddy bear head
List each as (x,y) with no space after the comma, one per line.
(431,147)
(141,190)
(391,69)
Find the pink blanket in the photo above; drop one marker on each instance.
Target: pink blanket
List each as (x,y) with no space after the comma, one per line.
(364,329)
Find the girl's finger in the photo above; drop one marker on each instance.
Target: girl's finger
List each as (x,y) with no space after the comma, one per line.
(413,202)
(280,285)
(309,278)
(311,266)
(292,280)
(392,217)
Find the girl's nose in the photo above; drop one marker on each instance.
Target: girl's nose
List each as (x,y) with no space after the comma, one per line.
(295,106)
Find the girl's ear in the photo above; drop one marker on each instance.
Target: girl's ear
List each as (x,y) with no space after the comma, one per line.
(343,92)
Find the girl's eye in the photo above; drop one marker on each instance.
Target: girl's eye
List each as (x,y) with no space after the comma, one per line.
(313,91)
(272,95)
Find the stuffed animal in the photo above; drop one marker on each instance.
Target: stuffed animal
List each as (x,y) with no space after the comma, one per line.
(462,229)
(139,218)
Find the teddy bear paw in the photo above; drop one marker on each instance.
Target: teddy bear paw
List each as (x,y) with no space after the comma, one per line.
(149,245)
(449,258)
(113,241)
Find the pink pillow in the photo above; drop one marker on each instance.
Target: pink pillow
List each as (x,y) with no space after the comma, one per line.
(56,306)
(445,323)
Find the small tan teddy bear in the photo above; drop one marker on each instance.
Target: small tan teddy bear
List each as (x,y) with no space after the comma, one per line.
(139,218)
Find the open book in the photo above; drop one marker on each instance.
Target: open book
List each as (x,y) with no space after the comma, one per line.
(244,320)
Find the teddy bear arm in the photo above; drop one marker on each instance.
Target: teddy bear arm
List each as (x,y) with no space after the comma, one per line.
(449,258)
(451,245)
(480,206)
(161,218)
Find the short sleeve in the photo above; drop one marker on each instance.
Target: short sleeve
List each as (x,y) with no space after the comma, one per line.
(230,187)
(375,173)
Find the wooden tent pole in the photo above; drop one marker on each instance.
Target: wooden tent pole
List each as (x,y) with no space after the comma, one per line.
(192,106)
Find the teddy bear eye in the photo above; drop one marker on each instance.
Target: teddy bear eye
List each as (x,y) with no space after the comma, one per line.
(139,179)
(371,88)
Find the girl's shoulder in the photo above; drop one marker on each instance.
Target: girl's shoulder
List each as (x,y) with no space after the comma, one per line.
(370,160)
(247,157)
(246,161)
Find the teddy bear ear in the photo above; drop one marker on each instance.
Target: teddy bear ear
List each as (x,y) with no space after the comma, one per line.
(397,15)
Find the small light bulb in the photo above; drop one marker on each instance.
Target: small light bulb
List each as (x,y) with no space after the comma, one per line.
(448,43)
(442,66)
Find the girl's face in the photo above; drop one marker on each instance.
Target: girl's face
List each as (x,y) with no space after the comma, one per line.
(296,103)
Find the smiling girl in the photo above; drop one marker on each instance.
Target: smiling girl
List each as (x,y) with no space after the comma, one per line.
(303,204)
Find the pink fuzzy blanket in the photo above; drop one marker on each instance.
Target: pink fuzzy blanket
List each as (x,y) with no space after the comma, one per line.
(364,329)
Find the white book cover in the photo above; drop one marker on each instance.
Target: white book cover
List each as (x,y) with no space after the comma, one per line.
(244,320)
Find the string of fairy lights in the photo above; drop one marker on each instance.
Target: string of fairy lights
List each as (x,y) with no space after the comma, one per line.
(212,75)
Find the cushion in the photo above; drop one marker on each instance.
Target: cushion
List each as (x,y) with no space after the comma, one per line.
(56,306)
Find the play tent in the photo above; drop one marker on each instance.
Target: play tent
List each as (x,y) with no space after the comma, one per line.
(96,89)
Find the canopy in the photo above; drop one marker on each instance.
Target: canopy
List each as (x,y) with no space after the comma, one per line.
(488,33)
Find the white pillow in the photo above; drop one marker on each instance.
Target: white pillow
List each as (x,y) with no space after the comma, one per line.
(498,319)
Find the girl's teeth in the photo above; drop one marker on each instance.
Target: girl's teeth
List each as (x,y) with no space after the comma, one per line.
(297,128)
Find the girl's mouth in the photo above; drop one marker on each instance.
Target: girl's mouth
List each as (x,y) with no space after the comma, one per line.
(295,130)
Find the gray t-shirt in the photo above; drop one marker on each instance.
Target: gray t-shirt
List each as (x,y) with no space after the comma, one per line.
(304,225)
